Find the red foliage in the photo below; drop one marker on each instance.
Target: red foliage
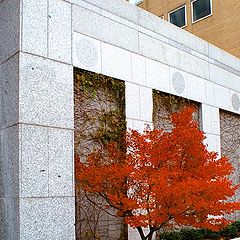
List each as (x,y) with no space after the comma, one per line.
(164,178)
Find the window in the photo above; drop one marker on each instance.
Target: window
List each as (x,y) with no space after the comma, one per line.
(178,17)
(201,9)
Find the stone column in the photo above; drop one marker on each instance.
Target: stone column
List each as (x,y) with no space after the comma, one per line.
(211,127)
(36,76)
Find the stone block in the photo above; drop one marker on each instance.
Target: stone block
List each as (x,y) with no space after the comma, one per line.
(60,31)
(132,96)
(47,218)
(9,162)
(157,75)
(164,28)
(83,4)
(210,93)
(105,29)
(140,126)
(213,143)
(35,27)
(196,88)
(153,34)
(224,57)
(138,69)
(129,123)
(146,104)
(46,92)
(9,218)
(224,78)
(119,19)
(10,28)
(86,53)
(116,62)
(120,8)
(61,171)
(9,85)
(222,97)
(164,53)
(210,119)
(34,168)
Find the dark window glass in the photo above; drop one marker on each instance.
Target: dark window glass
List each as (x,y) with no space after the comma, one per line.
(201,8)
(178,17)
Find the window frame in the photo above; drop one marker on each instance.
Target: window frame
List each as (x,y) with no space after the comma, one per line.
(185,8)
(211,8)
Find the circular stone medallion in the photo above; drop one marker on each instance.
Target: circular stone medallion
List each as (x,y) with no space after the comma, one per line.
(235,102)
(178,82)
(87,53)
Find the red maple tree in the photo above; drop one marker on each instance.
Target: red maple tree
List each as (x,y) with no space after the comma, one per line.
(164,178)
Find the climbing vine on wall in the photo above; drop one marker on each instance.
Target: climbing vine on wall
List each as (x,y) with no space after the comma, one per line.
(99,119)
(230,143)
(165,104)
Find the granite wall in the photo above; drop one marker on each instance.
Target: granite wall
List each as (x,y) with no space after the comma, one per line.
(40,43)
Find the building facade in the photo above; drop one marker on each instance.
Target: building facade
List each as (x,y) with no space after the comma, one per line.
(41,44)
(212,20)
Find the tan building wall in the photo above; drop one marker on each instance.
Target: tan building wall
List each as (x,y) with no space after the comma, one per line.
(221,29)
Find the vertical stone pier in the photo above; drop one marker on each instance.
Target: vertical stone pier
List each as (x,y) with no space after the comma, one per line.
(36,94)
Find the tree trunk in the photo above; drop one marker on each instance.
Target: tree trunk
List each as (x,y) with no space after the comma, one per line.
(150,235)
(141,233)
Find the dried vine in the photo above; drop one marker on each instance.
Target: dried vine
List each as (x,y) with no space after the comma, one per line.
(165,104)
(230,142)
(99,119)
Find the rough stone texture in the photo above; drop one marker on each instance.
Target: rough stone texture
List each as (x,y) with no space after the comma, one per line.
(116,62)
(210,119)
(46,92)
(160,51)
(34,165)
(222,97)
(35,27)
(87,53)
(132,101)
(146,104)
(47,162)
(138,69)
(196,88)
(172,32)
(9,85)
(61,175)
(9,183)
(60,31)
(120,8)
(219,76)
(97,26)
(157,75)
(9,218)
(210,93)
(213,143)
(224,57)
(38,93)
(47,218)
(10,28)
(9,165)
